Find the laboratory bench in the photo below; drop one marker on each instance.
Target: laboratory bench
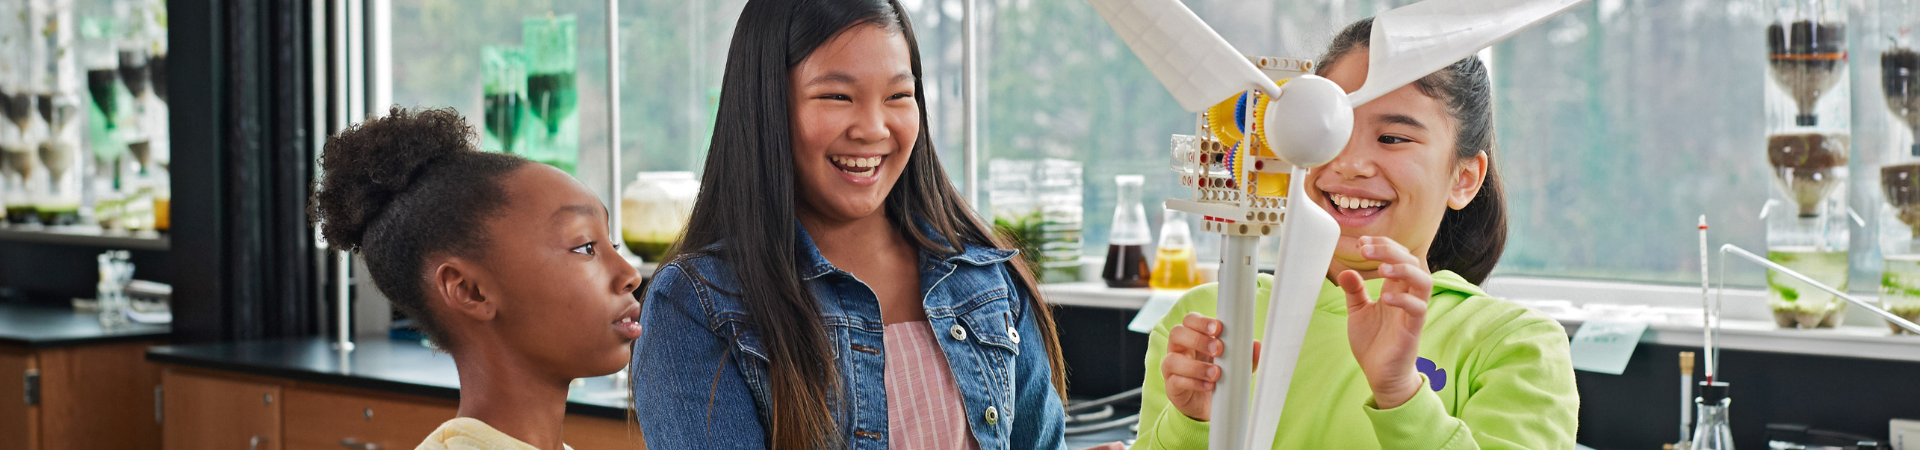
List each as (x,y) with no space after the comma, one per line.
(303,394)
(68,383)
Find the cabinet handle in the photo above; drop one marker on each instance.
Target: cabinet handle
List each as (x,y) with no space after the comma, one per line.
(254,442)
(357,445)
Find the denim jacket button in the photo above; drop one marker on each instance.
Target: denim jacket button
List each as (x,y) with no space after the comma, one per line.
(1013,334)
(993,415)
(959,333)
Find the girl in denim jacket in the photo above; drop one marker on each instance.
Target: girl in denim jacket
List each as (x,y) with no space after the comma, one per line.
(833,290)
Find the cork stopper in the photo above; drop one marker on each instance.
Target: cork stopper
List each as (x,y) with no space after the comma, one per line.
(1686,363)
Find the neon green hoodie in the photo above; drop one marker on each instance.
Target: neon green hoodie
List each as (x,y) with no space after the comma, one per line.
(1499,376)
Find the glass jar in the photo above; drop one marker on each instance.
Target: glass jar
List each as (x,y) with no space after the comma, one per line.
(654,210)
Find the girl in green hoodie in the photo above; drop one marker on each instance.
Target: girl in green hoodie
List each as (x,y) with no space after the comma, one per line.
(1404,351)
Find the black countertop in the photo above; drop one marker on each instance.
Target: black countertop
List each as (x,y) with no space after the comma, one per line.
(375,364)
(46,326)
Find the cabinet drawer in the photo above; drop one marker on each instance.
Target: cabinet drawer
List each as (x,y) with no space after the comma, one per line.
(205,412)
(330,420)
(587,432)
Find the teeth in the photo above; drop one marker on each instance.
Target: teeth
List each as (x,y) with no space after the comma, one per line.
(1347,202)
(858,163)
(625,320)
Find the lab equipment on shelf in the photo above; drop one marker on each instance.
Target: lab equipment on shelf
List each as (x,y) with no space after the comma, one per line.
(1037,206)
(1892,29)
(1808,145)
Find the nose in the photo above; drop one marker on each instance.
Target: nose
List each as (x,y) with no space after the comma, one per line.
(626,279)
(1352,163)
(870,125)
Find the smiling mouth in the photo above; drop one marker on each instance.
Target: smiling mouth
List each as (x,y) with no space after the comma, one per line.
(858,166)
(1357,207)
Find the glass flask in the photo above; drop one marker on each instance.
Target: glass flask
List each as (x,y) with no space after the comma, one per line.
(1126,265)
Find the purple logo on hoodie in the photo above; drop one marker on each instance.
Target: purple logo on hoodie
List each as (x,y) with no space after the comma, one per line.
(1436,376)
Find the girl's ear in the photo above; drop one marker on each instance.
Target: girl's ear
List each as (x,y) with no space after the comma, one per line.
(453,279)
(1467,181)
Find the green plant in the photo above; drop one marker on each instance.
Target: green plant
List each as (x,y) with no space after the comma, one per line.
(1023,231)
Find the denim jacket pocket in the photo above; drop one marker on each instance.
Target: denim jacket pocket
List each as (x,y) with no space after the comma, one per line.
(992,322)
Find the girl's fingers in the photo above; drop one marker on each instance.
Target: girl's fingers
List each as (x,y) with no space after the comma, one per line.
(1202,323)
(1188,341)
(1176,383)
(1356,289)
(1181,365)
(1383,249)
(1413,305)
(1413,278)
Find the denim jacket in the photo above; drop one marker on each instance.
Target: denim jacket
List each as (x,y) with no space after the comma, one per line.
(700,369)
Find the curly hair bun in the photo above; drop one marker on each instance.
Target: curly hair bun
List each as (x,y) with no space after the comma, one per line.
(369,164)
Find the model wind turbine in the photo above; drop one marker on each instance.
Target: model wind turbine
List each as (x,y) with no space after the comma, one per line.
(1267,136)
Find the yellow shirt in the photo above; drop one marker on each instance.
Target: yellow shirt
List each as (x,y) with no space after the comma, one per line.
(465,433)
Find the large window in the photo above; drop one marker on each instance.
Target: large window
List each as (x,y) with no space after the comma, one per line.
(1618,123)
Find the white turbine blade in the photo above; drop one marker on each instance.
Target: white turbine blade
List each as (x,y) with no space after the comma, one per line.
(1306,245)
(1415,40)
(1192,61)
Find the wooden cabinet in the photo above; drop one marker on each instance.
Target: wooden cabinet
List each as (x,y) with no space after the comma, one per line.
(96,396)
(332,420)
(596,433)
(224,410)
(207,412)
(16,417)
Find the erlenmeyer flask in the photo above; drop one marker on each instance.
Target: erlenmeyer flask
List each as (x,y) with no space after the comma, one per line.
(1710,430)
(1173,260)
(1127,240)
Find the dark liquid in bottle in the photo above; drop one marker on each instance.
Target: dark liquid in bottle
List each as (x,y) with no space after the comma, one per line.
(21,215)
(1126,267)
(552,97)
(134,72)
(100,83)
(157,65)
(19,108)
(503,118)
(46,109)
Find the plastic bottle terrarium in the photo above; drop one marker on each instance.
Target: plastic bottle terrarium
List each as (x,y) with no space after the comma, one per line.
(1808,146)
(1037,206)
(1899,85)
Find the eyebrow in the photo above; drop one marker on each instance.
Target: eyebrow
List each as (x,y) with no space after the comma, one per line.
(845,78)
(1401,119)
(582,210)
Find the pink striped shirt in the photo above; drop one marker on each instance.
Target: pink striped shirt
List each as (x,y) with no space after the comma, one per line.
(924,410)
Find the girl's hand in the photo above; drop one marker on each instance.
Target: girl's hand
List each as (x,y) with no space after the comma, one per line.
(1189,369)
(1385,335)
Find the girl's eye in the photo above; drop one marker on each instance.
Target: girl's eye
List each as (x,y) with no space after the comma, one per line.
(1390,140)
(586,249)
(901,96)
(836,97)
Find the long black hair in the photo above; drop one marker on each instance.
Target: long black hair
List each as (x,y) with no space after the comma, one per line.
(747,200)
(1470,239)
